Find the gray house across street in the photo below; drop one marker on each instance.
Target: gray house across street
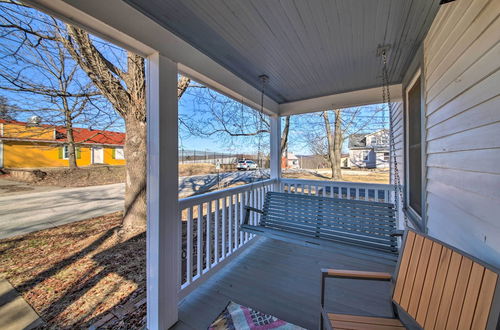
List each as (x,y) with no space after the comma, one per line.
(369,150)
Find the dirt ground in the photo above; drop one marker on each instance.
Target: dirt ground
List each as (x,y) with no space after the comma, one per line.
(368,176)
(79,177)
(196,169)
(74,274)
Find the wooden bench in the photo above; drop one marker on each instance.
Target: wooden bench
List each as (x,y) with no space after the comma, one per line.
(326,221)
(436,287)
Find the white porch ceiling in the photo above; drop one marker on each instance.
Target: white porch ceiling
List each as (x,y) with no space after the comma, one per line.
(309,49)
(318,54)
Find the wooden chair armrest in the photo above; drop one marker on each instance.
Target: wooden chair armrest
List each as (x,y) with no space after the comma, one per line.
(351,274)
(356,274)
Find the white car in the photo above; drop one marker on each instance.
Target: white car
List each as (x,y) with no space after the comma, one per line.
(245,165)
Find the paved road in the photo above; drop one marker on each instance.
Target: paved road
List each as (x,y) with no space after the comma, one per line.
(27,212)
(24,213)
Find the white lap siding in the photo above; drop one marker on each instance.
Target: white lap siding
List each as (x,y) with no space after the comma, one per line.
(462,92)
(398,125)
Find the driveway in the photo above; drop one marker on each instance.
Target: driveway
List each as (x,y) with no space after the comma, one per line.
(25,212)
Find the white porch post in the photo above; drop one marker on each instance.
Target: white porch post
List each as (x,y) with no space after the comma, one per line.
(163,228)
(275,161)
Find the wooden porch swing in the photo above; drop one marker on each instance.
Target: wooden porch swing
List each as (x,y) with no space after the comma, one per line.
(334,222)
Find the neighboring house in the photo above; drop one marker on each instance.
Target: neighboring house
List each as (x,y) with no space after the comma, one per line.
(290,161)
(369,150)
(23,145)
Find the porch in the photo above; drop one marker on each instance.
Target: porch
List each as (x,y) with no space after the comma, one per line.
(221,263)
(283,279)
(443,80)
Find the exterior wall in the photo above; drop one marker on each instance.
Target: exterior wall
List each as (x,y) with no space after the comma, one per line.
(380,160)
(462,91)
(28,155)
(108,158)
(375,159)
(398,131)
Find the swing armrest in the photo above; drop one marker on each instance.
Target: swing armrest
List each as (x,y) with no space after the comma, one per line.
(397,233)
(248,209)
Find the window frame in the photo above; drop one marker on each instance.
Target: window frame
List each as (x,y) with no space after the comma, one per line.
(122,153)
(419,220)
(65,152)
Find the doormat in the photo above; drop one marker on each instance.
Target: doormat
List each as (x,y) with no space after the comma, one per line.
(238,317)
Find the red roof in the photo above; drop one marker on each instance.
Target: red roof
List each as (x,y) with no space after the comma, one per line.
(81,135)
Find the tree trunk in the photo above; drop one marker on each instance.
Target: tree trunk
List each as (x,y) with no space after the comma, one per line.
(333,148)
(127,93)
(284,136)
(337,145)
(134,218)
(71,140)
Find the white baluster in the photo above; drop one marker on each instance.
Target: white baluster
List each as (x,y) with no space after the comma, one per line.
(208,237)
(189,246)
(230,226)
(199,234)
(216,232)
(224,221)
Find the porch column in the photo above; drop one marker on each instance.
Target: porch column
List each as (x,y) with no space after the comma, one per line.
(275,159)
(163,227)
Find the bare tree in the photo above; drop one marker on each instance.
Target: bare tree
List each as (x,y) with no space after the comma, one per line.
(334,144)
(120,78)
(7,111)
(327,141)
(223,117)
(50,84)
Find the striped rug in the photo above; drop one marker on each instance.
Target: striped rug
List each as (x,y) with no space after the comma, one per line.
(238,317)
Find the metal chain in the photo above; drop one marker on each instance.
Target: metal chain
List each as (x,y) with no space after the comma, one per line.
(264,80)
(260,128)
(386,95)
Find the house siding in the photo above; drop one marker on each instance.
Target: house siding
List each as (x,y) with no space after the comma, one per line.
(462,98)
(398,131)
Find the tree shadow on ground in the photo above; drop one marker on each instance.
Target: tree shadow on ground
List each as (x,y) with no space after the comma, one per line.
(201,184)
(74,274)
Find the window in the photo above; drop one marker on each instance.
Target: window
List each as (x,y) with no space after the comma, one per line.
(65,152)
(366,153)
(414,147)
(119,154)
(386,156)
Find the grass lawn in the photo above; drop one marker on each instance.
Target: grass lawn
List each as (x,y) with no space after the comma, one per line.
(74,274)
(367,176)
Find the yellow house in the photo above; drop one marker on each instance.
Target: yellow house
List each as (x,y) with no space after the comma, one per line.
(25,146)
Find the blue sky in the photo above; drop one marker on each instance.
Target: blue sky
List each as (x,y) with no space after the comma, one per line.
(193,107)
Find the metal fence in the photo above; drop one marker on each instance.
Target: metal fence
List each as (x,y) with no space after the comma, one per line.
(190,156)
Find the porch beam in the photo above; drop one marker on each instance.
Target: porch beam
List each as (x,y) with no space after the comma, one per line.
(163,225)
(111,20)
(340,101)
(275,143)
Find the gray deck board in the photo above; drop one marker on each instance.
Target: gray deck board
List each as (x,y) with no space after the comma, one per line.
(283,279)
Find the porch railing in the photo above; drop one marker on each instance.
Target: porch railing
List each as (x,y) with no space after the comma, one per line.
(210,229)
(338,189)
(210,222)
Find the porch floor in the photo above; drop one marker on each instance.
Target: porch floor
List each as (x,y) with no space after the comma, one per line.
(283,279)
